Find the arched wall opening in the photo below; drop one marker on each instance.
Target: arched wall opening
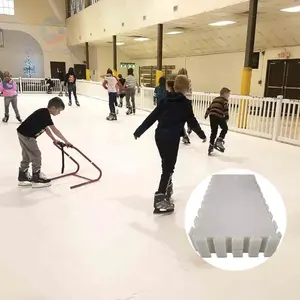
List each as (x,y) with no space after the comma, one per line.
(19,45)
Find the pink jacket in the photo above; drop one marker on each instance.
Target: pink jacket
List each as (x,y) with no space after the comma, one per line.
(8,89)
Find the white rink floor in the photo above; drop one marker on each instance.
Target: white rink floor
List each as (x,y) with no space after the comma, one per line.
(102,242)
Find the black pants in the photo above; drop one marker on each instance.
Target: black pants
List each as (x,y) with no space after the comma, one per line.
(215,122)
(168,150)
(112,101)
(72,88)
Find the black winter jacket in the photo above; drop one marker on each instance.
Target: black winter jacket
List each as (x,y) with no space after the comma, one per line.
(172,113)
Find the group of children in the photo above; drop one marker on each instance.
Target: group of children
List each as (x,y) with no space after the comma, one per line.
(173,110)
(120,87)
(9,89)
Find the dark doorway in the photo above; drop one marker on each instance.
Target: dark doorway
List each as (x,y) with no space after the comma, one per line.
(55,66)
(80,71)
(283,78)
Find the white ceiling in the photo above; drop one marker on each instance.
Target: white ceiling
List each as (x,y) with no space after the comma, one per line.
(274,29)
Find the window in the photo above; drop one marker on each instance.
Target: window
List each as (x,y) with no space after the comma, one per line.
(7,7)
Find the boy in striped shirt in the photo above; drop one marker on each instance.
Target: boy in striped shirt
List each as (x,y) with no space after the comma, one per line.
(218,116)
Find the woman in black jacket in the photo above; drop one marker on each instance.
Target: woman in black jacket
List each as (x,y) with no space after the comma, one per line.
(71,80)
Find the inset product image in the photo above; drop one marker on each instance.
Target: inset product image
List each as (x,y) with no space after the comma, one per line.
(234,219)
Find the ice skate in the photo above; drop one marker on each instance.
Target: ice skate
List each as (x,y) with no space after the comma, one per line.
(133,111)
(210,149)
(129,111)
(121,104)
(24,178)
(70,103)
(19,119)
(111,117)
(60,94)
(162,205)
(77,103)
(39,180)
(189,131)
(5,119)
(169,192)
(186,140)
(219,145)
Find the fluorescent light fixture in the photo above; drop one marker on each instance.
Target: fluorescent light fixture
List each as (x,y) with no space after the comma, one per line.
(174,32)
(141,39)
(120,43)
(222,23)
(291,9)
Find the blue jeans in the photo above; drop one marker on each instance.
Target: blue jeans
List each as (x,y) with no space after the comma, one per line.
(112,101)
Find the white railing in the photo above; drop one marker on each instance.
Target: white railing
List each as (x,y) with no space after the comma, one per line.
(271,118)
(35,85)
(276,119)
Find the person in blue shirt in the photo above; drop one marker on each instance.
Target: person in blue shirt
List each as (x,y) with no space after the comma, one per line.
(160,91)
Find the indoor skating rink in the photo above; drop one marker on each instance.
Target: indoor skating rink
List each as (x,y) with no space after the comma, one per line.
(102,242)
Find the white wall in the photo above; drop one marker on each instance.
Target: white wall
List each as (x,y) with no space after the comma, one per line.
(101,58)
(44,20)
(210,73)
(19,45)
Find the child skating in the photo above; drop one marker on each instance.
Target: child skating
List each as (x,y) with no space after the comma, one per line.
(111,84)
(28,131)
(122,89)
(189,95)
(172,113)
(131,84)
(218,116)
(160,92)
(70,80)
(9,89)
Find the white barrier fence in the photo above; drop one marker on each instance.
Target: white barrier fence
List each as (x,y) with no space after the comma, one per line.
(271,118)
(276,119)
(35,85)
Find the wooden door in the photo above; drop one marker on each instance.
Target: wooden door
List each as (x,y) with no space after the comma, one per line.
(55,66)
(80,71)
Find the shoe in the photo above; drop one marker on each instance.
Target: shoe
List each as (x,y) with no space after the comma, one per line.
(5,119)
(129,111)
(210,149)
(70,103)
(39,180)
(219,145)
(77,103)
(162,205)
(24,178)
(169,192)
(186,140)
(112,117)
(19,119)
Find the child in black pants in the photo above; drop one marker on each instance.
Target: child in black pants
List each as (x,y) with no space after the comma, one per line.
(28,131)
(218,116)
(172,113)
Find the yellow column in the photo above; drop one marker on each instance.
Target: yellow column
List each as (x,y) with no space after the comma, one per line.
(244,103)
(159,74)
(115,73)
(88,74)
